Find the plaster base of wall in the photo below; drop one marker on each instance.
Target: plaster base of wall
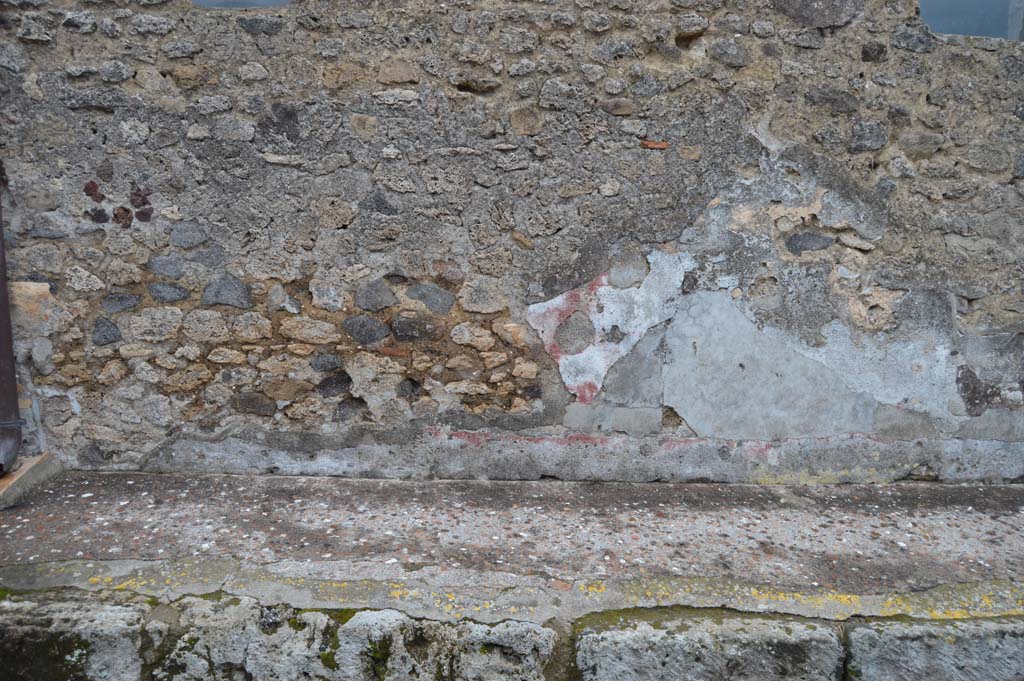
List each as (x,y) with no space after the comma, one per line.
(472,455)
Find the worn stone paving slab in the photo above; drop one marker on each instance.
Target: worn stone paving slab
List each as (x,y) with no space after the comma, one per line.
(953,651)
(526,550)
(702,648)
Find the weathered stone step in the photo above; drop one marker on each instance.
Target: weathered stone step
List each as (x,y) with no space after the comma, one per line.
(127,638)
(223,576)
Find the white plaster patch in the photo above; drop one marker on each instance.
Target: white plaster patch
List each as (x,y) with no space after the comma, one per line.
(620,318)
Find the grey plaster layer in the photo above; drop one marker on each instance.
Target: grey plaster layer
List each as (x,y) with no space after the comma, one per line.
(636,379)
(565,454)
(962,651)
(724,377)
(637,421)
(741,649)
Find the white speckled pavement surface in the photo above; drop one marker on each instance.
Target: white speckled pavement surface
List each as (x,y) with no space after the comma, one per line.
(527,550)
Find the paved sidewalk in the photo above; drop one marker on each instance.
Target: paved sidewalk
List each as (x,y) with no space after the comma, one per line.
(532,550)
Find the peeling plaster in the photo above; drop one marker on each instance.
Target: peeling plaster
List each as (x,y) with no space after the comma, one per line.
(726,378)
(628,313)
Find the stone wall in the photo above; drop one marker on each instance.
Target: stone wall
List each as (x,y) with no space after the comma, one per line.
(739,240)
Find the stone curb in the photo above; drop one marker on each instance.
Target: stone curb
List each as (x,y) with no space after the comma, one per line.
(31,472)
(126,637)
(494,597)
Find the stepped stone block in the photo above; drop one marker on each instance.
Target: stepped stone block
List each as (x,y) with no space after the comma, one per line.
(976,650)
(703,648)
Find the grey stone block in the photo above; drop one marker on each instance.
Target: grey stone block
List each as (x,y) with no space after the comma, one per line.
(261,24)
(119,302)
(820,13)
(71,640)
(868,135)
(364,329)
(413,326)
(334,385)
(375,296)
(978,650)
(239,638)
(211,256)
(188,235)
(802,242)
(172,266)
(167,293)
(434,297)
(227,290)
(325,362)
(254,403)
(914,39)
(702,648)
(105,332)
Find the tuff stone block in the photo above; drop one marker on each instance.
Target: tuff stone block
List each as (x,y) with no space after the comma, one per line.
(740,648)
(992,650)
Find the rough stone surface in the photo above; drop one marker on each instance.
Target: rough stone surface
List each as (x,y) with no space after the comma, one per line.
(105,332)
(205,326)
(309,330)
(227,290)
(188,235)
(474,336)
(743,649)
(241,638)
(820,13)
(868,135)
(168,293)
(802,242)
(434,297)
(172,266)
(921,144)
(827,178)
(730,53)
(111,636)
(832,551)
(128,575)
(375,296)
(156,323)
(411,325)
(965,651)
(73,640)
(365,330)
(119,302)
(914,38)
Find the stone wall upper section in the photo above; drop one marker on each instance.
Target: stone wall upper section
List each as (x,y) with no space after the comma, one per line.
(681,239)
